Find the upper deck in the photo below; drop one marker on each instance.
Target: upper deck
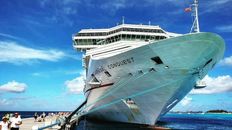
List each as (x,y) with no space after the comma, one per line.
(91,38)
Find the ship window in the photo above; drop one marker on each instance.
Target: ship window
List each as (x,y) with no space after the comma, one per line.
(142,37)
(147,37)
(117,38)
(137,36)
(151,69)
(160,31)
(133,36)
(123,36)
(94,79)
(162,37)
(94,42)
(120,37)
(208,62)
(76,42)
(107,73)
(157,60)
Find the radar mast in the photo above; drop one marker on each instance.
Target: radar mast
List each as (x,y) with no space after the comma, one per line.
(195,27)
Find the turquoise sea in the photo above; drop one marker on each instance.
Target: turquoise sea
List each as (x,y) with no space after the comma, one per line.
(197,121)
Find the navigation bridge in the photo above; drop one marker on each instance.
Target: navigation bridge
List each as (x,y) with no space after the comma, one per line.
(92,38)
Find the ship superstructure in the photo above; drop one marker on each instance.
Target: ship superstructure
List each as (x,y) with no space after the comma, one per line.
(96,37)
(137,73)
(100,43)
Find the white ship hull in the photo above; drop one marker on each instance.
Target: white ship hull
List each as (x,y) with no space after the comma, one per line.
(153,89)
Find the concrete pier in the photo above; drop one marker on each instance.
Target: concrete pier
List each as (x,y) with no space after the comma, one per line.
(30,124)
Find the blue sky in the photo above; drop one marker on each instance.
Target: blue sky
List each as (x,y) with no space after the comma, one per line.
(39,69)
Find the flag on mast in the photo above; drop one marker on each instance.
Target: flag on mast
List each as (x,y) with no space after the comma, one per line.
(189,9)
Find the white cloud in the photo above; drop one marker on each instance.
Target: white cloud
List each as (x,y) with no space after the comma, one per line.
(227,61)
(185,101)
(65,2)
(55,72)
(5,102)
(215,6)
(215,85)
(225,28)
(115,5)
(71,72)
(64,6)
(10,36)
(36,74)
(14,87)
(220,2)
(69,10)
(61,11)
(76,85)
(12,52)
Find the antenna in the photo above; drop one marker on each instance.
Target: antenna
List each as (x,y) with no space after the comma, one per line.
(195,27)
(123,19)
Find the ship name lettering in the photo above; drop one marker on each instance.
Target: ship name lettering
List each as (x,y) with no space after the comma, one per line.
(121,63)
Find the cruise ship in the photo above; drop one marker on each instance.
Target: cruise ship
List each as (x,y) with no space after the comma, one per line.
(137,73)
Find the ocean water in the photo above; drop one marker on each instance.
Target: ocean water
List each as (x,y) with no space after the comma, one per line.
(26,114)
(174,121)
(197,121)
